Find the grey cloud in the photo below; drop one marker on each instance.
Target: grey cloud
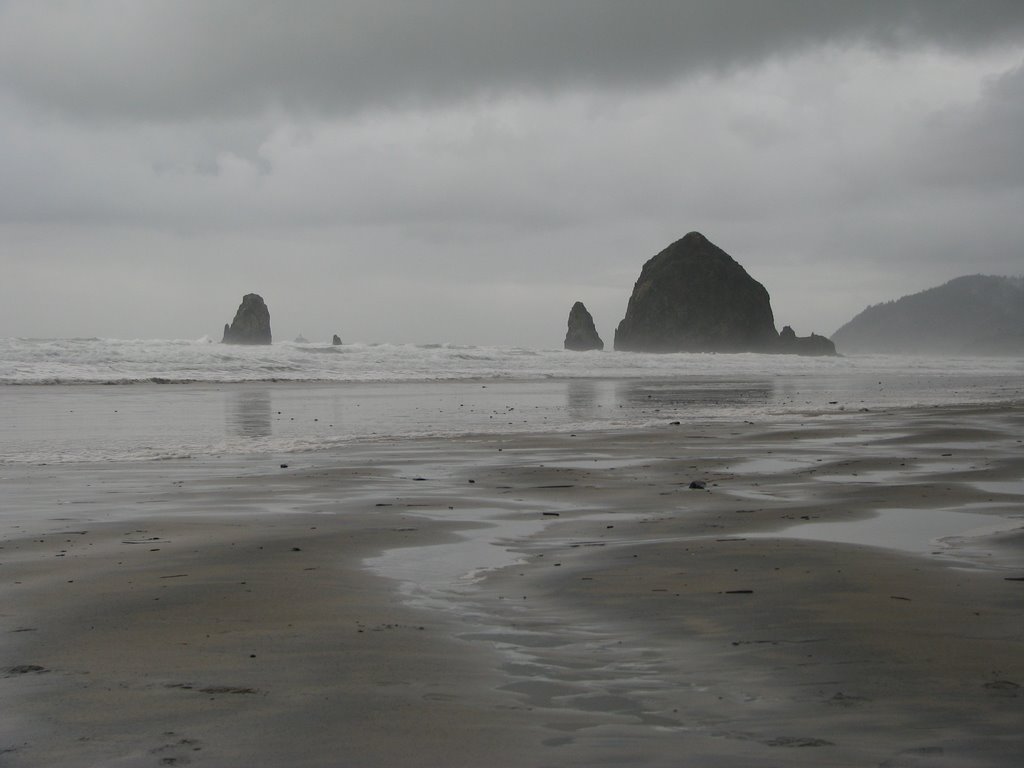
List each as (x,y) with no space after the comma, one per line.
(182,145)
(179,60)
(978,145)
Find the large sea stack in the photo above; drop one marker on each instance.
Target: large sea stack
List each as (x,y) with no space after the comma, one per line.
(582,334)
(251,324)
(694,297)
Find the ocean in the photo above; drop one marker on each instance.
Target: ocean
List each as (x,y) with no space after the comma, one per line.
(82,400)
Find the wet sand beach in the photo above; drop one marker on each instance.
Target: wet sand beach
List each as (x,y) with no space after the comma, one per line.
(837,589)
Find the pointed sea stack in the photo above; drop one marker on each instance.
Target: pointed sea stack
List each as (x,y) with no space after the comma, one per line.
(251,324)
(582,335)
(694,297)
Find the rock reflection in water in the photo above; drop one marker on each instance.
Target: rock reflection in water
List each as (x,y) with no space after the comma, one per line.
(581,398)
(248,413)
(695,394)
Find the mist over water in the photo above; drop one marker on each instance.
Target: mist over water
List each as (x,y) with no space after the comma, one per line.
(130,361)
(72,400)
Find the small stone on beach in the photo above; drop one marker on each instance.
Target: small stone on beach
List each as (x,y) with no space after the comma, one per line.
(25,669)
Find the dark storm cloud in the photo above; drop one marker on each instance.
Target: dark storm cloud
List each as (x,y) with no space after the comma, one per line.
(184,60)
(465,162)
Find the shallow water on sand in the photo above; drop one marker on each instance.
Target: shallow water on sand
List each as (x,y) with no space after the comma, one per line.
(909,530)
(429,576)
(305,410)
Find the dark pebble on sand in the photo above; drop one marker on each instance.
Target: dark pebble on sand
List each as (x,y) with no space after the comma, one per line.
(798,741)
(1002,685)
(26,669)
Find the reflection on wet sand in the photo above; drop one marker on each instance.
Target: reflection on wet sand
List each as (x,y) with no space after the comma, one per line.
(680,394)
(582,400)
(248,413)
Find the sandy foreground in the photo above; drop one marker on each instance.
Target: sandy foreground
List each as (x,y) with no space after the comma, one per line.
(332,612)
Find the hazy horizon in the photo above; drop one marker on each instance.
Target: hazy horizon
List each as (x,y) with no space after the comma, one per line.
(463,172)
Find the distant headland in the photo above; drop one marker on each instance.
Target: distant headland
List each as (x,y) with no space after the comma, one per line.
(971,315)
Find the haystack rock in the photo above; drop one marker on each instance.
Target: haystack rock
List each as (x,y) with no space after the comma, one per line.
(336,340)
(251,324)
(582,335)
(694,297)
(813,345)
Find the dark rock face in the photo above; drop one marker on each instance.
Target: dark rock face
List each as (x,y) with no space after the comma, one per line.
(251,324)
(336,340)
(694,297)
(812,346)
(974,314)
(582,335)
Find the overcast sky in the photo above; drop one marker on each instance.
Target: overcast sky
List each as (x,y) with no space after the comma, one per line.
(464,170)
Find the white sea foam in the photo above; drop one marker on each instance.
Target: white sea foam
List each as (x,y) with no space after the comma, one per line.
(120,361)
(198,398)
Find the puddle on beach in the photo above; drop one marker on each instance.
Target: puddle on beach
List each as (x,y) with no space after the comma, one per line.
(771,465)
(1002,486)
(874,476)
(430,574)
(914,472)
(763,495)
(583,674)
(909,530)
(596,463)
(853,439)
